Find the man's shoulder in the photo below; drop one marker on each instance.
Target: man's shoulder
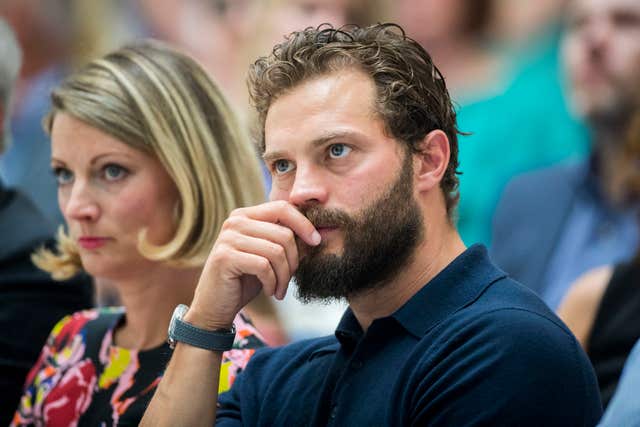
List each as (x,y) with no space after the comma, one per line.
(507,298)
(296,352)
(506,356)
(271,366)
(506,317)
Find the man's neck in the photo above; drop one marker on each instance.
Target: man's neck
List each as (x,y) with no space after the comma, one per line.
(429,259)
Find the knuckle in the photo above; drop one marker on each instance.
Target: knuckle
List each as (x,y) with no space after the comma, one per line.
(278,251)
(237,212)
(281,204)
(232,222)
(264,266)
(289,235)
(222,251)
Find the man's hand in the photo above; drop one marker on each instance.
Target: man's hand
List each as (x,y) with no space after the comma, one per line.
(255,250)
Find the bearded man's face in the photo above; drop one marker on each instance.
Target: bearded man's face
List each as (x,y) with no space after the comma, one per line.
(378,241)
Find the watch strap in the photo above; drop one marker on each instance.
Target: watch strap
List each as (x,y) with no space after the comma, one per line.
(220,340)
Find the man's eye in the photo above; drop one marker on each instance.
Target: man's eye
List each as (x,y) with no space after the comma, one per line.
(339,150)
(282,166)
(626,19)
(63,175)
(113,172)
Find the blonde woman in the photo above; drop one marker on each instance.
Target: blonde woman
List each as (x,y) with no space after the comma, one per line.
(149,162)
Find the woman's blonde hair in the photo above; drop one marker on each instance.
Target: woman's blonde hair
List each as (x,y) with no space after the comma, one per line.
(160,101)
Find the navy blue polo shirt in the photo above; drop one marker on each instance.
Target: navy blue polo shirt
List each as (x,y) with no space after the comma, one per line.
(472,347)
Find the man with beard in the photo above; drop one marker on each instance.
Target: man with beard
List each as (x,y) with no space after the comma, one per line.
(359,134)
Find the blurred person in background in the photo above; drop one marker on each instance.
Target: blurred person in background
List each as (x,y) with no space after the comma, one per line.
(602,308)
(517,120)
(555,224)
(30,301)
(624,408)
(55,36)
(521,23)
(224,35)
(44,32)
(149,160)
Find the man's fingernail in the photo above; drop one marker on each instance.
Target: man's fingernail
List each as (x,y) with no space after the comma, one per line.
(315,238)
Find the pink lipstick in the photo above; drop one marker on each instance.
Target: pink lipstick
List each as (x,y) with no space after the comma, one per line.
(92,242)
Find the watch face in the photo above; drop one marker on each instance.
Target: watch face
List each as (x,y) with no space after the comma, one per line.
(178,313)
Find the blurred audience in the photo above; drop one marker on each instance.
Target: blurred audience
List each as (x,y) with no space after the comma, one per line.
(31,302)
(44,32)
(603,308)
(508,101)
(55,36)
(523,22)
(149,161)
(555,224)
(225,35)
(624,409)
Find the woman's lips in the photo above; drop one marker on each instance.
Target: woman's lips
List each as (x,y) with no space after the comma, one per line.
(92,242)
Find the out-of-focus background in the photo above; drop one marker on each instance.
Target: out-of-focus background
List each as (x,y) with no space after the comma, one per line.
(500,59)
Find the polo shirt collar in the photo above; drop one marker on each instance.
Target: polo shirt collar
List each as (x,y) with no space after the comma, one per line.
(455,287)
(349,330)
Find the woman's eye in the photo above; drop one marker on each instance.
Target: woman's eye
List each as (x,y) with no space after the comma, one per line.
(63,175)
(282,166)
(114,172)
(339,150)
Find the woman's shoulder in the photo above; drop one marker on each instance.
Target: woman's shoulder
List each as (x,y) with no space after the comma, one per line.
(77,323)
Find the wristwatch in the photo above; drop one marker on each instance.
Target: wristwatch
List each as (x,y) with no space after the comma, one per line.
(179,330)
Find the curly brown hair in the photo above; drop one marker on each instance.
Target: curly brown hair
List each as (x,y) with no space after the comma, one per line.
(411,94)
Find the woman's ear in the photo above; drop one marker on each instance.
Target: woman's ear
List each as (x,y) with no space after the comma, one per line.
(431,161)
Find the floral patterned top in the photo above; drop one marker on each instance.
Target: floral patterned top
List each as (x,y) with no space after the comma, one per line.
(82,379)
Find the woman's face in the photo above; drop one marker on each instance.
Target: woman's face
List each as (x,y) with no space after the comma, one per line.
(108,192)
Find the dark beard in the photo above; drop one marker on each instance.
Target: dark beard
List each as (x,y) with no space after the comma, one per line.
(378,242)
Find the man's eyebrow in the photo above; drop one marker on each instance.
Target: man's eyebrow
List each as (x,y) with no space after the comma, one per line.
(274,155)
(321,140)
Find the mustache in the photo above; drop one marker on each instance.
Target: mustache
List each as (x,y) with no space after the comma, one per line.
(321,217)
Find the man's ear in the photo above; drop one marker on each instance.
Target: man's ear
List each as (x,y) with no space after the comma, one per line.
(431,161)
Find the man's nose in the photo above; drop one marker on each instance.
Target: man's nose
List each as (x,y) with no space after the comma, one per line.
(309,186)
(598,37)
(81,204)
